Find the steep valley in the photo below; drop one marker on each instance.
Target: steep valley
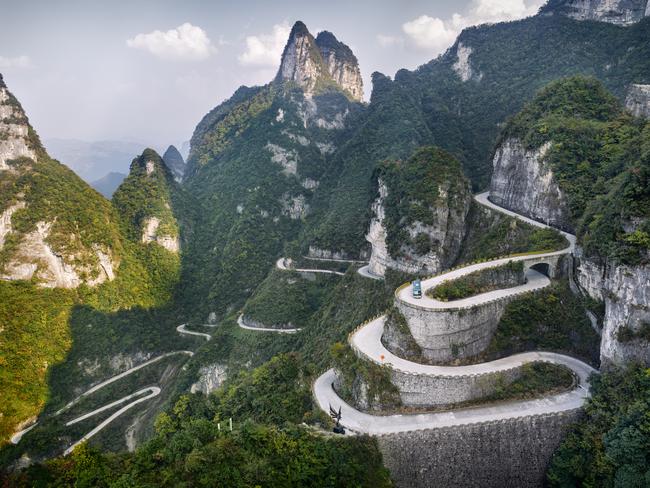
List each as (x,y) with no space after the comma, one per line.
(214,316)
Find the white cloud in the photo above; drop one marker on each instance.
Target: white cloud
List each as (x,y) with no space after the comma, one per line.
(435,34)
(430,32)
(16,62)
(185,42)
(388,41)
(265,50)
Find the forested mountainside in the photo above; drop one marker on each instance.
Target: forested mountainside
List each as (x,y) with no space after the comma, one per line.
(321,149)
(598,156)
(72,272)
(198,296)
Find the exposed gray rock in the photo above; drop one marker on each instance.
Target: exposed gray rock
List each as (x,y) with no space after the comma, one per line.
(14,130)
(150,234)
(302,140)
(287,158)
(34,258)
(296,208)
(590,276)
(523,183)
(445,235)
(462,66)
(315,252)
(5,221)
(619,12)
(309,62)
(210,378)
(638,99)
(627,304)
(309,184)
(341,63)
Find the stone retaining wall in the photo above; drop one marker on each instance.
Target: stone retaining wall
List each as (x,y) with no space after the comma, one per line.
(445,335)
(420,390)
(504,453)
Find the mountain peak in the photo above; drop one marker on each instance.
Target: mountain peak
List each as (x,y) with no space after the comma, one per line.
(310,62)
(299,29)
(175,162)
(619,12)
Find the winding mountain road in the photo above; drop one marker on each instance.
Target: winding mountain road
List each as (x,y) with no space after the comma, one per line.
(365,272)
(240,322)
(281,264)
(153,391)
(181,329)
(366,341)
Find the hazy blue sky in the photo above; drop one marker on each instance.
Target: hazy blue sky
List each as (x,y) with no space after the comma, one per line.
(147,71)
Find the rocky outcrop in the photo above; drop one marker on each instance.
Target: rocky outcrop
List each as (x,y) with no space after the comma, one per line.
(296,208)
(5,221)
(444,236)
(14,130)
(341,63)
(210,378)
(625,337)
(619,12)
(462,66)
(314,63)
(35,259)
(522,183)
(150,233)
(174,161)
(287,158)
(625,290)
(638,100)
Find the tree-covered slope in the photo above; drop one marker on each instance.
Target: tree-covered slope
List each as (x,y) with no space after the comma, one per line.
(255,165)
(458,102)
(68,265)
(600,157)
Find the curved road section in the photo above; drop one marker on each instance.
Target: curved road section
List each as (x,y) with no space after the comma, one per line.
(281,264)
(366,341)
(240,322)
(181,329)
(151,392)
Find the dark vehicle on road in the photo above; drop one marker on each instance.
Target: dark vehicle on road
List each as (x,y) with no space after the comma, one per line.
(417,289)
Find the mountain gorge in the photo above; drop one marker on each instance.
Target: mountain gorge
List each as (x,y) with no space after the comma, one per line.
(192,319)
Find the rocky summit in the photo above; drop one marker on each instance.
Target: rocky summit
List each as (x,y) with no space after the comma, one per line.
(314,63)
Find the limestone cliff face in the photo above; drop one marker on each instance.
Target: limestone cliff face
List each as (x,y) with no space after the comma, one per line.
(210,378)
(313,63)
(522,183)
(619,12)
(42,245)
(174,161)
(637,101)
(341,63)
(14,130)
(463,66)
(445,236)
(625,290)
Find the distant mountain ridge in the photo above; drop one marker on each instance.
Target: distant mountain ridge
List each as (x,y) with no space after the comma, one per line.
(108,183)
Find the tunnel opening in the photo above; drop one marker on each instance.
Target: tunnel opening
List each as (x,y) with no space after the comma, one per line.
(543,268)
